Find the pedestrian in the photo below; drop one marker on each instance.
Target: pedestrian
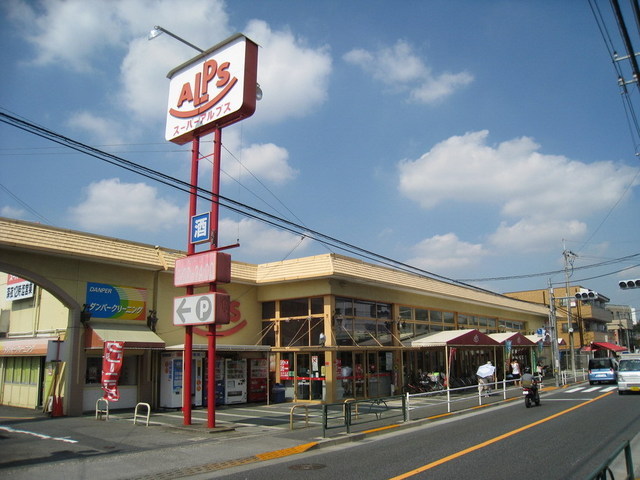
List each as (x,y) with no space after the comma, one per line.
(515,372)
(485,377)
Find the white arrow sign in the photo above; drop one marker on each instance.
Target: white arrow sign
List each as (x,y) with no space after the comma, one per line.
(201,309)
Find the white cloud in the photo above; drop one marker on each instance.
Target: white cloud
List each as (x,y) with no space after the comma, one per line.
(446,253)
(260,241)
(548,197)
(535,234)
(67,32)
(513,175)
(293,76)
(267,162)
(103,130)
(12,212)
(399,67)
(112,204)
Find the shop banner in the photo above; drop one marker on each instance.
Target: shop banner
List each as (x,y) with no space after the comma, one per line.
(18,288)
(111,366)
(117,302)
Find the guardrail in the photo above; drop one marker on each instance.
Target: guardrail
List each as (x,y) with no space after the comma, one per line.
(350,412)
(604,471)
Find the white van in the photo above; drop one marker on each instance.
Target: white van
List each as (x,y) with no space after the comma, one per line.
(629,373)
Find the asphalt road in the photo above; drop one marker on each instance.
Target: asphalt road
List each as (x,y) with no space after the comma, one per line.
(570,435)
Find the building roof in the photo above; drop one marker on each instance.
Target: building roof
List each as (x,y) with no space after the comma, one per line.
(29,236)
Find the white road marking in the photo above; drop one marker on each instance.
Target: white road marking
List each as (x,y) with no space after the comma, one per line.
(39,435)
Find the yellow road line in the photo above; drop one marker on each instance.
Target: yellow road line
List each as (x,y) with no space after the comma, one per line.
(429,466)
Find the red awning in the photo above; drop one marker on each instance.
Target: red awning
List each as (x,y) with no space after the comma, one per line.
(608,346)
(455,338)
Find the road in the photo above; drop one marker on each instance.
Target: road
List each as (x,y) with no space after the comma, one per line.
(567,437)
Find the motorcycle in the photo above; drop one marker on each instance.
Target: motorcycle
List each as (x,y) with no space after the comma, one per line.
(531,395)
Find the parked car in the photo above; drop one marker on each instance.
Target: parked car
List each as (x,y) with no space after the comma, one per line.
(603,370)
(629,373)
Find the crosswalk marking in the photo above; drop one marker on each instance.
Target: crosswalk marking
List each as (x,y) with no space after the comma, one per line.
(587,389)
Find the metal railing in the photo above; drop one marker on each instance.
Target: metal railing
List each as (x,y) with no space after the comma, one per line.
(360,412)
(306,414)
(604,471)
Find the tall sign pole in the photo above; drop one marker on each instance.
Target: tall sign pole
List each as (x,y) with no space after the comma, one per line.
(214,89)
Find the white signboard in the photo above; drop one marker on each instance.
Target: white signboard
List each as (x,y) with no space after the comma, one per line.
(214,89)
(201,309)
(18,288)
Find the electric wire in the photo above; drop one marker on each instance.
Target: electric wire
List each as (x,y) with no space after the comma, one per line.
(228,203)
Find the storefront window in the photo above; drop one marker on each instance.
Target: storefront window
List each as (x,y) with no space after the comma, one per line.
(297,307)
(128,373)
(293,333)
(317,305)
(269,333)
(22,370)
(268,310)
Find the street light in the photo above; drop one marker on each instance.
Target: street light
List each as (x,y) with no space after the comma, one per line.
(158,30)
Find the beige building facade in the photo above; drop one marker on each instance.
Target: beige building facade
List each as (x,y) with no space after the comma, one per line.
(317,329)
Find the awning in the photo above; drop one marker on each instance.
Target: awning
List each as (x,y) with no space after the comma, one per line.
(35,346)
(133,336)
(608,346)
(516,338)
(547,340)
(456,338)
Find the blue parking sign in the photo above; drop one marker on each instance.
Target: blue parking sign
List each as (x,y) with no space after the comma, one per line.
(200,228)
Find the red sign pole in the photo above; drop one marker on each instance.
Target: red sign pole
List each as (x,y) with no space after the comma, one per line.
(191,249)
(211,340)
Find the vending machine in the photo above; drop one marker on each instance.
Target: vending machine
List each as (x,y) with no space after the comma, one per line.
(258,371)
(235,380)
(171,379)
(220,383)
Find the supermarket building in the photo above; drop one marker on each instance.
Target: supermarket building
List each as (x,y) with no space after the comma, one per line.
(319,328)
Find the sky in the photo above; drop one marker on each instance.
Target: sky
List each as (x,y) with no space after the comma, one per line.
(476,140)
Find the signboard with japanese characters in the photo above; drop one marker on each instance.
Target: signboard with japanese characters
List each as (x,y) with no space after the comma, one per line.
(111,366)
(200,230)
(205,267)
(213,90)
(18,288)
(116,302)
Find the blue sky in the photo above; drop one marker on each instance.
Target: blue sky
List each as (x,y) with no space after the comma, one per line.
(472,139)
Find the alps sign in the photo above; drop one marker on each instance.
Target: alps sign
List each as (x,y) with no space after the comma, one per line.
(213,90)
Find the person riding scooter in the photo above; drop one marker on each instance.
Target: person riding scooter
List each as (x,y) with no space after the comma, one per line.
(530,388)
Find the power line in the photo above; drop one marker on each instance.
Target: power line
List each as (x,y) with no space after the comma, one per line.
(228,203)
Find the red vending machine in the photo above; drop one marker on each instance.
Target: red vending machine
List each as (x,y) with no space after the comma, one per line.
(258,371)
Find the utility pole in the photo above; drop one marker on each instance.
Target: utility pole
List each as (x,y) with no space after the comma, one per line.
(553,325)
(569,256)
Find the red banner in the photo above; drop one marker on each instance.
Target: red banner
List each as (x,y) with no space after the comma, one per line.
(111,366)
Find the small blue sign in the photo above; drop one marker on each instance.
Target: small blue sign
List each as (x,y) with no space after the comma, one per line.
(200,228)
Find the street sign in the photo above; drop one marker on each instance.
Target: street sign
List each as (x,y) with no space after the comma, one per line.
(202,309)
(205,267)
(200,229)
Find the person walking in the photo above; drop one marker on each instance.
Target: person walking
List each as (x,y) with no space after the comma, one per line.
(485,378)
(515,372)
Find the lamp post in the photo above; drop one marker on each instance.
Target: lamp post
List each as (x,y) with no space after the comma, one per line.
(158,30)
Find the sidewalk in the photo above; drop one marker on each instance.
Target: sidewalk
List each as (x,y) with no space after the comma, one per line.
(119,449)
